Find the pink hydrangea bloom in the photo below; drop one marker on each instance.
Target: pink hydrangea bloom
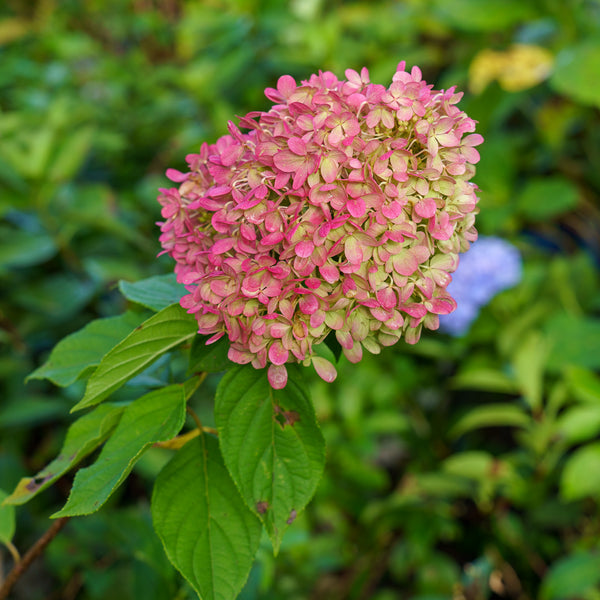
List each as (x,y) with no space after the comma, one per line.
(343,208)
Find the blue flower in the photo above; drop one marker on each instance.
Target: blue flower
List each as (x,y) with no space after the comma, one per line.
(490,266)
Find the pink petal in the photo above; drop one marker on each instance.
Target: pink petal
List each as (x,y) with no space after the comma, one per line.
(286,85)
(356,207)
(278,355)
(178,176)
(329,169)
(325,370)
(304,249)
(277,375)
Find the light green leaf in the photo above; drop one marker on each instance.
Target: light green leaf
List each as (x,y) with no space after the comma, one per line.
(271,444)
(576,72)
(155,417)
(547,197)
(584,385)
(575,341)
(83,350)
(579,423)
(483,378)
(7,520)
(490,415)
(474,15)
(83,437)
(572,577)
(154,293)
(581,475)
(153,338)
(208,532)
(71,154)
(528,362)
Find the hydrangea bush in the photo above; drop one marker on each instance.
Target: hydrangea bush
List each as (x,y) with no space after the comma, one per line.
(343,208)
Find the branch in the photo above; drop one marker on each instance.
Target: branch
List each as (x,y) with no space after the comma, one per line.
(30,556)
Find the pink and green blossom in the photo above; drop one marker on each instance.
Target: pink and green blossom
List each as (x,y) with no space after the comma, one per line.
(341,209)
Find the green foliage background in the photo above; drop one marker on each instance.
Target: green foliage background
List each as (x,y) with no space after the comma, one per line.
(458,468)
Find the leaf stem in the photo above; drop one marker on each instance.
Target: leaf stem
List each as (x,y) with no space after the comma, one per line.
(31,554)
(201,428)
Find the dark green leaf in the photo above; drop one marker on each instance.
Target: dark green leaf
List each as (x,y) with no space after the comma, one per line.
(271,443)
(153,338)
(211,358)
(23,248)
(544,198)
(208,532)
(155,417)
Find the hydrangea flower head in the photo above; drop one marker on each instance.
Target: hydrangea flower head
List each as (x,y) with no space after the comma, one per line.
(491,266)
(341,209)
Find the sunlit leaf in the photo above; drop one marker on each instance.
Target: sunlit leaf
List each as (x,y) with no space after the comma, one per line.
(75,354)
(581,474)
(159,334)
(490,415)
(271,443)
(155,417)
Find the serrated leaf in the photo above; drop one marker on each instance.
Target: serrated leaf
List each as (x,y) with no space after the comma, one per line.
(211,358)
(83,437)
(271,444)
(155,293)
(208,533)
(153,338)
(490,415)
(155,417)
(581,475)
(75,354)
(7,520)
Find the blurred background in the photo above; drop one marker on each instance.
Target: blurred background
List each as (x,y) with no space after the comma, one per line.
(465,467)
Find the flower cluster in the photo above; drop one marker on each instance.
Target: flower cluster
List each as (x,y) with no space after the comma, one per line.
(491,265)
(343,208)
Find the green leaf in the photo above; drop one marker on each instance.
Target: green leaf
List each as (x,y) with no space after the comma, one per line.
(483,378)
(83,350)
(211,358)
(153,338)
(154,293)
(584,384)
(575,341)
(208,533)
(474,15)
(155,417)
(7,520)
(572,577)
(271,444)
(71,154)
(581,474)
(83,437)
(528,362)
(24,249)
(579,423)
(545,198)
(576,72)
(490,415)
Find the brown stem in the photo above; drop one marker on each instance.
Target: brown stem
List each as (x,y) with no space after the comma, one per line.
(30,556)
